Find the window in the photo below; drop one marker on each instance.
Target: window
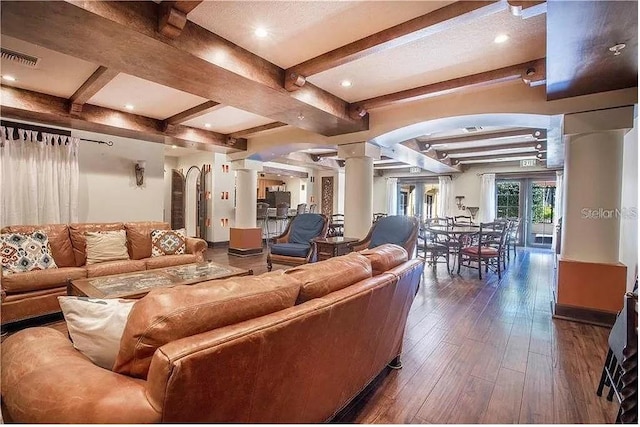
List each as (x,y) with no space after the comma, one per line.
(508,195)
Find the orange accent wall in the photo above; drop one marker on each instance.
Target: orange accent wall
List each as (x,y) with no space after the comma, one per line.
(245,238)
(591,285)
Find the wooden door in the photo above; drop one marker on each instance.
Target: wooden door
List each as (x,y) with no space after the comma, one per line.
(177,199)
(327,196)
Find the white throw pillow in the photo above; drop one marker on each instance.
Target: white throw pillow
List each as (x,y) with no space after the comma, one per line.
(96,326)
(106,246)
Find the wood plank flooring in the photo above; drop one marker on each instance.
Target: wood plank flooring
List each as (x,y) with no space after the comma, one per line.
(485,352)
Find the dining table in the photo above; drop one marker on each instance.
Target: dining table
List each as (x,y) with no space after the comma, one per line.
(457,233)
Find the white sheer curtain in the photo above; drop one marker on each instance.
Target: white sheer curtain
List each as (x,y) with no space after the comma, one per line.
(444,204)
(557,205)
(38,179)
(488,197)
(392,196)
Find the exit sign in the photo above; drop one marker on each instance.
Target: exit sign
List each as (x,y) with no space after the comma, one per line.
(528,162)
(414,169)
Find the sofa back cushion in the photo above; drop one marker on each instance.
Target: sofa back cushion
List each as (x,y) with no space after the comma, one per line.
(165,315)
(79,241)
(321,278)
(139,237)
(59,241)
(385,257)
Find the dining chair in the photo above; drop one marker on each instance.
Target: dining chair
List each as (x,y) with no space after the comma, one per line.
(302,207)
(262,217)
(336,225)
(312,208)
(486,248)
(282,215)
(463,219)
(620,370)
(513,237)
(378,215)
(434,245)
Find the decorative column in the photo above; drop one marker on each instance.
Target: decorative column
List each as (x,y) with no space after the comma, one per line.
(392,196)
(358,205)
(591,281)
(419,200)
(245,239)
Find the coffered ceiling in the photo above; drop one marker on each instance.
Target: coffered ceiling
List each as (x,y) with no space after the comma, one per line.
(214,73)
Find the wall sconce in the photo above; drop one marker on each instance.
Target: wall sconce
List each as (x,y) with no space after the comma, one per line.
(459,203)
(140,165)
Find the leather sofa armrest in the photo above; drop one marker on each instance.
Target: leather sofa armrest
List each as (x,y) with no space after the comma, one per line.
(46,380)
(197,247)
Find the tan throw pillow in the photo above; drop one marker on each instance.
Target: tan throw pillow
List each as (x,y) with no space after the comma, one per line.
(106,246)
(168,242)
(25,252)
(96,325)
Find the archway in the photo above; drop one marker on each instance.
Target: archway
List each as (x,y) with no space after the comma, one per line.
(191,201)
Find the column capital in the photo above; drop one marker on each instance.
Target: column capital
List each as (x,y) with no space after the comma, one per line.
(246,164)
(611,119)
(359,149)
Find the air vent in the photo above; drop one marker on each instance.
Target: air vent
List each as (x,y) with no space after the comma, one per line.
(19,58)
(473,129)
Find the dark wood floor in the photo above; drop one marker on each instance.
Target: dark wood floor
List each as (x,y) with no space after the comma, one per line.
(485,352)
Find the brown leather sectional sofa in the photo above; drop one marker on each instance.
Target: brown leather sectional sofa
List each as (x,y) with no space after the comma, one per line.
(291,346)
(35,293)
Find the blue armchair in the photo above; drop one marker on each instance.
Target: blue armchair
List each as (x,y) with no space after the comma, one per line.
(397,229)
(294,246)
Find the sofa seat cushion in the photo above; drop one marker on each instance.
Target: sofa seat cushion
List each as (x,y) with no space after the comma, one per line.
(169,261)
(385,257)
(41,279)
(321,278)
(139,237)
(59,240)
(291,249)
(169,314)
(115,267)
(79,242)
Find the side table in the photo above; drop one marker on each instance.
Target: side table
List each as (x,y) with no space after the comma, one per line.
(330,247)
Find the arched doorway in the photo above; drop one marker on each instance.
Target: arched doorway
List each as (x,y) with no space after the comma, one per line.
(192,191)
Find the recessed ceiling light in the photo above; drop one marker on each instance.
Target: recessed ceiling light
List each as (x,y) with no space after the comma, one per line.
(174,146)
(346,83)
(207,125)
(9,78)
(261,32)
(501,38)
(129,107)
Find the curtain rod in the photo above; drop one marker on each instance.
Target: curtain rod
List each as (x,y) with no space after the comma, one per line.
(42,129)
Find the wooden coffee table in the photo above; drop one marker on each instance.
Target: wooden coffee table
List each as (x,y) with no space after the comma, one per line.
(139,283)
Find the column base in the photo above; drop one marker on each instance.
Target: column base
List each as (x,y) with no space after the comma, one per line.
(244,242)
(589,292)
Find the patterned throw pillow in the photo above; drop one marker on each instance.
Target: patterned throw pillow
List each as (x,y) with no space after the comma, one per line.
(168,242)
(25,252)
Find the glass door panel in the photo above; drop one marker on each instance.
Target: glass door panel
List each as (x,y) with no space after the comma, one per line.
(541,202)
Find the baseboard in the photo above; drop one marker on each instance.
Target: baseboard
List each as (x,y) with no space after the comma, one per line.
(583,315)
(218,244)
(245,252)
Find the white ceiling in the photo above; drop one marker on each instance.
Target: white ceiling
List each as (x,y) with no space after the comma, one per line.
(55,74)
(300,30)
(149,99)
(483,143)
(457,52)
(496,152)
(228,120)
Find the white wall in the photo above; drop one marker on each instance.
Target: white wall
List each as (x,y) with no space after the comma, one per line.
(223,181)
(629,204)
(379,194)
(107,187)
(170,163)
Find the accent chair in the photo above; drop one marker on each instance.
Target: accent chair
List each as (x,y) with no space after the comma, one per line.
(295,246)
(397,229)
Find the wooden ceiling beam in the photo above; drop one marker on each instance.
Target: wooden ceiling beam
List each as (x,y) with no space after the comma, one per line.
(537,134)
(253,130)
(458,13)
(198,62)
(27,105)
(530,71)
(91,86)
(172,17)
(192,113)
(489,158)
(531,145)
